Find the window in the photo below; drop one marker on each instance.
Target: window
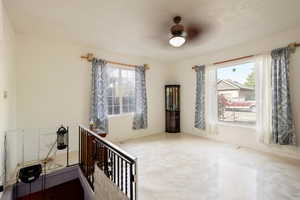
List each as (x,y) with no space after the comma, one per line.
(236,94)
(121,91)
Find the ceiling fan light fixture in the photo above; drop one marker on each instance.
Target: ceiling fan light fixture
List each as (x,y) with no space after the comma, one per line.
(177,41)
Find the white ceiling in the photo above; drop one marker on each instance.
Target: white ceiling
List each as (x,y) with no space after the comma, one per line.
(141,27)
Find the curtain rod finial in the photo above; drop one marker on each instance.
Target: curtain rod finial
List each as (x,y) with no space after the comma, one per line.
(292,47)
(146,66)
(90,57)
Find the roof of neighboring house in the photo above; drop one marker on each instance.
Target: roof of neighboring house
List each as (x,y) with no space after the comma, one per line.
(231,85)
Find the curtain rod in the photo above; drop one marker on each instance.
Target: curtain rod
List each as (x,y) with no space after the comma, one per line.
(293,46)
(89,57)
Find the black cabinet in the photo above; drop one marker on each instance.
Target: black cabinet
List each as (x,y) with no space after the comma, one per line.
(172,104)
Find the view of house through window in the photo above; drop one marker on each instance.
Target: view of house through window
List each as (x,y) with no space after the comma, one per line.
(121,91)
(236,94)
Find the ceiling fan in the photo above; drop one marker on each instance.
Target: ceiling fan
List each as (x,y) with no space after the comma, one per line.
(180,34)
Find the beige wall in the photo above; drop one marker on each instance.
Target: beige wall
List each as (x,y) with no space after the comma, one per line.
(184,75)
(54,84)
(7,72)
(7,80)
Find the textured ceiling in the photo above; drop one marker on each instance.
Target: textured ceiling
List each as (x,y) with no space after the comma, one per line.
(141,27)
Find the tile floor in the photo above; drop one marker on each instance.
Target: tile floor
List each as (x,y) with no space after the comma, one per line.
(186,167)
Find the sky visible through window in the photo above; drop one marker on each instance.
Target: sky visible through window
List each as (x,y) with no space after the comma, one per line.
(237,73)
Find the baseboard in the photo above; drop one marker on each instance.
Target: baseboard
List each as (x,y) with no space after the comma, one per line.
(268,149)
(132,137)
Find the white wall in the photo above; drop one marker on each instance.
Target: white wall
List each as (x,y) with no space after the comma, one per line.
(186,77)
(53,87)
(7,80)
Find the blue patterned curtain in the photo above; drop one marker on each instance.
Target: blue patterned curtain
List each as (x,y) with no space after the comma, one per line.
(283,130)
(140,120)
(98,107)
(200,98)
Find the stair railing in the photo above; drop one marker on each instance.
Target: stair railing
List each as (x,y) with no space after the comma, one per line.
(119,166)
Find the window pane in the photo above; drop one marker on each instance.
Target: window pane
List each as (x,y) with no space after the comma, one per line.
(110,101)
(110,110)
(116,110)
(125,109)
(127,89)
(131,100)
(125,101)
(121,90)
(117,101)
(131,108)
(236,94)
(110,91)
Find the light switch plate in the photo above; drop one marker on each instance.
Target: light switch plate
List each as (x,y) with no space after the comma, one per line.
(5,94)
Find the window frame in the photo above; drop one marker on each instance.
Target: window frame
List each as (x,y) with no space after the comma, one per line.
(230,64)
(120,79)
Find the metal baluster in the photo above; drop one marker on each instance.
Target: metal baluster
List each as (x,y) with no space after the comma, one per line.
(114,164)
(100,156)
(131,181)
(126,177)
(103,159)
(109,164)
(118,170)
(85,152)
(122,171)
(135,179)
(106,153)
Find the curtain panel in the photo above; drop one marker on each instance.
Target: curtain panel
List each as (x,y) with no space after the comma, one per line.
(98,105)
(283,129)
(263,93)
(140,119)
(200,97)
(211,100)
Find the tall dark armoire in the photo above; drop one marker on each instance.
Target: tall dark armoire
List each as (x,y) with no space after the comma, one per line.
(172,101)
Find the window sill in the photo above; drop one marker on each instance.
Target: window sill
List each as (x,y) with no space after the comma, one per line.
(120,115)
(229,124)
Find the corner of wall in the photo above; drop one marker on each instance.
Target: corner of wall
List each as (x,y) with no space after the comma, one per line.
(7,80)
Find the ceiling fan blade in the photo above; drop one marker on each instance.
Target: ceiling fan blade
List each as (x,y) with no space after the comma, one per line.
(193,32)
